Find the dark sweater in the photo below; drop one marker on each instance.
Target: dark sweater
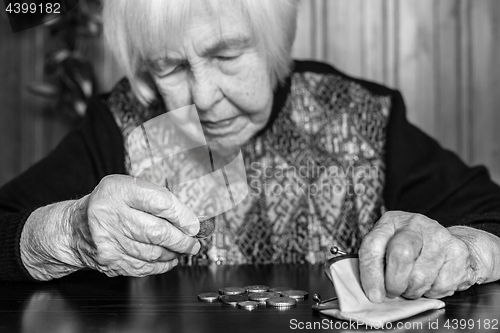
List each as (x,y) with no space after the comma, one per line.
(421,176)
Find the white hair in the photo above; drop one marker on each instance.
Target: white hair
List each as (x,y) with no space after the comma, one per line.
(134,29)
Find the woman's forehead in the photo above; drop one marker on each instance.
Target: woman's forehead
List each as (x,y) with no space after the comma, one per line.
(207,35)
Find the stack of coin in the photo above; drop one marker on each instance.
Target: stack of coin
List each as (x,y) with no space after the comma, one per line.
(248,305)
(233,300)
(295,294)
(232,291)
(263,296)
(281,302)
(257,288)
(208,297)
(249,297)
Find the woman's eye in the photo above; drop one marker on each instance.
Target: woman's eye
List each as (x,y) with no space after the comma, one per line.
(177,69)
(227,57)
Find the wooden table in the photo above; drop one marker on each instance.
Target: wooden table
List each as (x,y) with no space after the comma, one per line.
(89,301)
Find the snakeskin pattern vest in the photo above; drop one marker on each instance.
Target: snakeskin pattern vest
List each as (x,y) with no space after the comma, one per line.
(315,174)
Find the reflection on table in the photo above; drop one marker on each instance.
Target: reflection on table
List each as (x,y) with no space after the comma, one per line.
(168,303)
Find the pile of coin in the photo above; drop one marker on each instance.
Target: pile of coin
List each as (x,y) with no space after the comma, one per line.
(250,297)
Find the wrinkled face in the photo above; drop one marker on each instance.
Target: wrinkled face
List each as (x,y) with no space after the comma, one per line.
(216,65)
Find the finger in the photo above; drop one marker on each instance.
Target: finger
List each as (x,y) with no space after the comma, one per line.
(156,268)
(162,203)
(470,280)
(146,252)
(156,200)
(402,251)
(424,273)
(149,229)
(455,273)
(128,266)
(372,258)
(442,288)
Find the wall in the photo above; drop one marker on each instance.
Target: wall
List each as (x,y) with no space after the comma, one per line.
(443,55)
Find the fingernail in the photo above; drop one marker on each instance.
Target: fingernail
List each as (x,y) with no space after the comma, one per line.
(175,262)
(192,229)
(375,296)
(196,248)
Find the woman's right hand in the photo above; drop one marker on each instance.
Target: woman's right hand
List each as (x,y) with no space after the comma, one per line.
(126,226)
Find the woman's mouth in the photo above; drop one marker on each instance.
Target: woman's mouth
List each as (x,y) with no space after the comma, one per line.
(219,127)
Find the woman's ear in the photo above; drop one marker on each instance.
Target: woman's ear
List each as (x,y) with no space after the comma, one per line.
(144,88)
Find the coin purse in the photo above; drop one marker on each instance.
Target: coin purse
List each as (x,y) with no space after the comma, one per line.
(343,272)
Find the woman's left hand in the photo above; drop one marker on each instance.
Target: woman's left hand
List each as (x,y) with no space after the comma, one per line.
(411,255)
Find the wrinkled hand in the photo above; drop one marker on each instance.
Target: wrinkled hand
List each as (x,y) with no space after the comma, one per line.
(412,256)
(132,227)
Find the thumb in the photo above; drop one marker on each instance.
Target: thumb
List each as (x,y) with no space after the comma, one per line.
(159,201)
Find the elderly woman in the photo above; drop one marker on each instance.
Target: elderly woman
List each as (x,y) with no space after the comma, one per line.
(423,223)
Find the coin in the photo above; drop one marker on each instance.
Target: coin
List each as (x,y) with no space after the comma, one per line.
(256,288)
(207,227)
(263,296)
(208,297)
(248,305)
(232,291)
(297,294)
(281,302)
(232,300)
(280,289)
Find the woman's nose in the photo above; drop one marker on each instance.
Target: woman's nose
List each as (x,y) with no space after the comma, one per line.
(205,91)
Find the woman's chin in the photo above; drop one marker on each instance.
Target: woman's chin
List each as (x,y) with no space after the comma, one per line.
(229,139)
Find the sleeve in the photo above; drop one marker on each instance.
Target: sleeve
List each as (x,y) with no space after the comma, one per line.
(71,171)
(422,177)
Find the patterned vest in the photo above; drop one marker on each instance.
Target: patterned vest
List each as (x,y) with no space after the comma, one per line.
(315,174)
